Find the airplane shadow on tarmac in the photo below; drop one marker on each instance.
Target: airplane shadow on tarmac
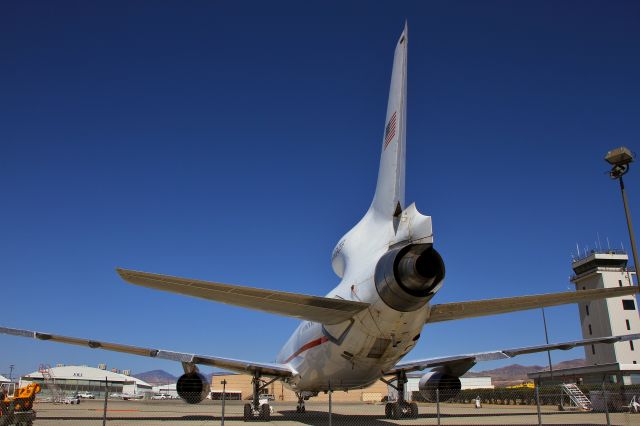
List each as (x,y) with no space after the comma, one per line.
(310,418)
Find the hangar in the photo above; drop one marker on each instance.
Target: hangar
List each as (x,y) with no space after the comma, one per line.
(69,379)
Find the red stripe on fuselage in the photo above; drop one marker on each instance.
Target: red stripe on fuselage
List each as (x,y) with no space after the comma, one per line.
(307,346)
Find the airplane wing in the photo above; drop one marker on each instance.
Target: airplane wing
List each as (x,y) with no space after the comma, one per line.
(323,310)
(277,370)
(479,308)
(459,364)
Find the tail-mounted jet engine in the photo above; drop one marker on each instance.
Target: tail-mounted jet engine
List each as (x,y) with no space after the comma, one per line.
(447,385)
(192,387)
(407,277)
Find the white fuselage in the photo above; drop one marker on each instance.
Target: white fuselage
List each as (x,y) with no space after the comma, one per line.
(355,353)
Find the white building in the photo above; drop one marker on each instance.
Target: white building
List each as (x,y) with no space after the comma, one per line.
(169,389)
(72,378)
(618,362)
(4,379)
(476,383)
(413,379)
(607,317)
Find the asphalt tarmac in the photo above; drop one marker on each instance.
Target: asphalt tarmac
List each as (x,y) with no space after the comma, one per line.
(176,412)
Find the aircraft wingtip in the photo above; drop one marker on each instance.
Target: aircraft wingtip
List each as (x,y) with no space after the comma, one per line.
(122,273)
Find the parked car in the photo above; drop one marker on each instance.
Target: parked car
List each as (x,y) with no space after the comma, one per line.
(115,395)
(71,400)
(160,396)
(264,401)
(86,395)
(128,396)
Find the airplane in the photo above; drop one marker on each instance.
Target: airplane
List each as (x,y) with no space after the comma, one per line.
(360,331)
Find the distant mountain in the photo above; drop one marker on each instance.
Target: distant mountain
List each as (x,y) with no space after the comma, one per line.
(515,373)
(156,377)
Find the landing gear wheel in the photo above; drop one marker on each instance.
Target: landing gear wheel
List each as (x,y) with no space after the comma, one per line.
(413,410)
(265,412)
(387,410)
(396,412)
(248,412)
(300,409)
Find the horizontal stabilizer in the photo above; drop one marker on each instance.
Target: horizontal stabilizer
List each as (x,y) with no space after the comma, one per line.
(469,360)
(323,310)
(479,308)
(278,370)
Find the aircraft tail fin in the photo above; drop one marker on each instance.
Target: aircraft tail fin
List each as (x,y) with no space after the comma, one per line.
(389,197)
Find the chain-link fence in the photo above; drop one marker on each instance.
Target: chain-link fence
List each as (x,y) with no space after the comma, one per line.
(558,404)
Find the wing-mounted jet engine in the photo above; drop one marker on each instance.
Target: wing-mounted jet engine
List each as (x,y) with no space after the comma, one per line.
(447,386)
(192,387)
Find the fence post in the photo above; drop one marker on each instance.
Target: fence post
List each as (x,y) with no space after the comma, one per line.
(224,392)
(606,403)
(537,392)
(106,396)
(438,404)
(330,406)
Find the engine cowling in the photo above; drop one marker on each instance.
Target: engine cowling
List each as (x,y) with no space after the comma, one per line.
(407,277)
(448,386)
(192,387)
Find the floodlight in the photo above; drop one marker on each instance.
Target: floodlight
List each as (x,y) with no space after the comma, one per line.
(619,156)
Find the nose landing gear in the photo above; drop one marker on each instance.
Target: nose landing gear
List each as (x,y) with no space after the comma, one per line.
(300,407)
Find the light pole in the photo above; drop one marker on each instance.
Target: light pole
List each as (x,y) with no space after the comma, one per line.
(11,367)
(546,336)
(620,159)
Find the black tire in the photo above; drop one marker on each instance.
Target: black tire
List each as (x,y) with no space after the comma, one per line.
(396,411)
(387,410)
(248,413)
(265,412)
(413,410)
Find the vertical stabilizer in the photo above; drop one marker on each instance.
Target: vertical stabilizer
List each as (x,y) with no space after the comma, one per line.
(389,197)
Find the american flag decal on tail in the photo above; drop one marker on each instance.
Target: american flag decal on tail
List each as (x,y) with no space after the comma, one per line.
(390,130)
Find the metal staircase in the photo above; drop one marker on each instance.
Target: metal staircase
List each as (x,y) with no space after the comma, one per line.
(50,383)
(576,396)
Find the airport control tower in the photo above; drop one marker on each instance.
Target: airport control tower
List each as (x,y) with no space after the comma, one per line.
(607,317)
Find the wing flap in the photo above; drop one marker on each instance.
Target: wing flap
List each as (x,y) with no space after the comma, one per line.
(470,360)
(277,370)
(478,308)
(323,310)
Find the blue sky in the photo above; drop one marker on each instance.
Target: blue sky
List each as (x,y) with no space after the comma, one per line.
(238,141)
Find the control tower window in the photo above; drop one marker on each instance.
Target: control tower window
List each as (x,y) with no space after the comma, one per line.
(628,305)
(628,325)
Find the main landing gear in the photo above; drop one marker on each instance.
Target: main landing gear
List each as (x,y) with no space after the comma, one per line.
(258,409)
(400,409)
